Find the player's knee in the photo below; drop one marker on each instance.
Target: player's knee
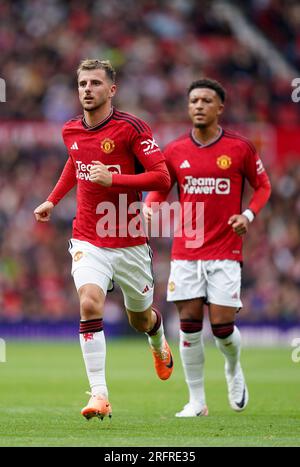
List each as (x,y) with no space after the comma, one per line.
(90,307)
(190,310)
(222,330)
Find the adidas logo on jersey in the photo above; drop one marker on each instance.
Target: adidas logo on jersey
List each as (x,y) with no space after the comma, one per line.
(185,165)
(74,146)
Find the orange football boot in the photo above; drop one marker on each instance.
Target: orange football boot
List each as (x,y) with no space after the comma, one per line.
(98,406)
(163,361)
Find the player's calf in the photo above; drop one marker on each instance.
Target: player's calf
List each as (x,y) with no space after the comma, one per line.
(150,321)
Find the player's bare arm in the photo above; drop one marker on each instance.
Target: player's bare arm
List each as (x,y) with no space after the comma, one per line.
(43,211)
(100,174)
(239,223)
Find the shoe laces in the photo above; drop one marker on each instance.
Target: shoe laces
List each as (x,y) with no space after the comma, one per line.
(162,354)
(188,406)
(237,384)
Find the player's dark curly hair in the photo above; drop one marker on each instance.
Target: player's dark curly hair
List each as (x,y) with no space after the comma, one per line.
(210,84)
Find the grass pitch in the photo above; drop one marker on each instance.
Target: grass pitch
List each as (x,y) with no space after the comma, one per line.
(42,389)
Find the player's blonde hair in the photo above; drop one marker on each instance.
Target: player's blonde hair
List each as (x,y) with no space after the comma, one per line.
(94,64)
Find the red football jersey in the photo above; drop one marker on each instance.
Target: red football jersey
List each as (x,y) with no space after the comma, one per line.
(213,174)
(126,146)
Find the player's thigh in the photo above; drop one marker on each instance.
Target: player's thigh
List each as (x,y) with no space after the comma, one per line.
(190,309)
(223,284)
(133,273)
(90,265)
(186,282)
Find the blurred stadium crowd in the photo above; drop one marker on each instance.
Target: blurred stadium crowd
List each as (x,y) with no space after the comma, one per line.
(158,48)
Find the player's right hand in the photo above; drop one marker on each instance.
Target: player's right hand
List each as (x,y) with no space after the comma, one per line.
(239,224)
(43,211)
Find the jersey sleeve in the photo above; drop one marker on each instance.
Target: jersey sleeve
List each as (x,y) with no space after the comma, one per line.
(258,179)
(160,196)
(66,182)
(148,154)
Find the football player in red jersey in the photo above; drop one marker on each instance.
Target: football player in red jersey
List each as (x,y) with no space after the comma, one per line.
(209,166)
(112,156)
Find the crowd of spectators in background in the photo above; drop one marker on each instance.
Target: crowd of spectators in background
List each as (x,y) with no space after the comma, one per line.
(35,279)
(158,48)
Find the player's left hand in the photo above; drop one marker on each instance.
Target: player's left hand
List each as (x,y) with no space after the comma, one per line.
(239,224)
(100,174)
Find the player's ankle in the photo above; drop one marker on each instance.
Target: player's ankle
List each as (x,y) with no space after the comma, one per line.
(100,390)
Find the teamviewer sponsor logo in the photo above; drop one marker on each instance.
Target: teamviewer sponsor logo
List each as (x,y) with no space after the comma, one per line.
(222,186)
(206,185)
(83,170)
(116,169)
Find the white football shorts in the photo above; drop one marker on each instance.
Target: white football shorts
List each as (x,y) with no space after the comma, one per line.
(218,281)
(130,268)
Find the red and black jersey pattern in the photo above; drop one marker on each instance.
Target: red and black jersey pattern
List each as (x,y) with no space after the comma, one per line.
(211,177)
(139,125)
(126,146)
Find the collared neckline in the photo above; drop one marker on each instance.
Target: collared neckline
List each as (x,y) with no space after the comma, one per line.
(99,124)
(209,143)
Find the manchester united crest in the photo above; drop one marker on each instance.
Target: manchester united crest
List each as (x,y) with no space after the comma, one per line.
(78,255)
(224,162)
(107,145)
